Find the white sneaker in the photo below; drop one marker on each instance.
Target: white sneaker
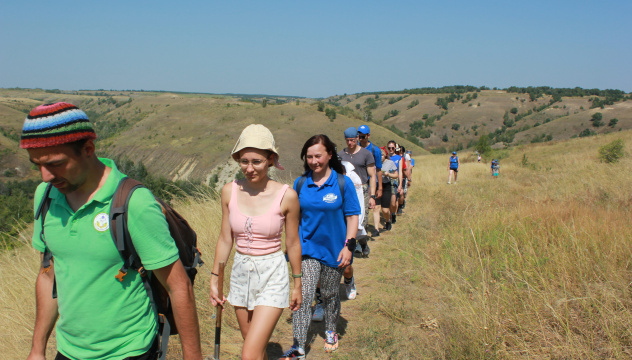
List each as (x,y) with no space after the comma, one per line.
(319,313)
(351,290)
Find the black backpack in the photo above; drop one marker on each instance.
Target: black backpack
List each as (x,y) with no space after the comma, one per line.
(183,235)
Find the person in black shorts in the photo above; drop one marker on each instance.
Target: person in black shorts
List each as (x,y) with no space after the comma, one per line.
(389,173)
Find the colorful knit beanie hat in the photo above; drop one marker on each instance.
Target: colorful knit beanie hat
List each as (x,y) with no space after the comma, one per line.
(55,124)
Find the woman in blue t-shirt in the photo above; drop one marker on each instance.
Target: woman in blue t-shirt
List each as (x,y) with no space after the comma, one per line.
(453,166)
(327,229)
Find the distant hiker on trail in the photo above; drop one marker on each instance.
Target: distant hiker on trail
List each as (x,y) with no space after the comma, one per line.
(412,161)
(453,166)
(328,226)
(495,168)
(364,134)
(407,178)
(392,153)
(389,177)
(254,212)
(479,158)
(99,313)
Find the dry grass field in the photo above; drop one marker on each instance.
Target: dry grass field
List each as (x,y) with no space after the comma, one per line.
(535,264)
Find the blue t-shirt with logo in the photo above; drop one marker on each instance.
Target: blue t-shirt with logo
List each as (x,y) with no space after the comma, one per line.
(396,158)
(323,229)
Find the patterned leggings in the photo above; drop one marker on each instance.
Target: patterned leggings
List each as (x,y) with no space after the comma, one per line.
(313,271)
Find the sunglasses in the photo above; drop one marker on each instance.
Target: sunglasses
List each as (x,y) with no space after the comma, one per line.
(391,148)
(362,137)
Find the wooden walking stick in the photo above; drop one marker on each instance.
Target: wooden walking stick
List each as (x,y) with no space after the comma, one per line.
(218,311)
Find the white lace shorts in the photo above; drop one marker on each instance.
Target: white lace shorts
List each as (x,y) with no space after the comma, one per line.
(259,280)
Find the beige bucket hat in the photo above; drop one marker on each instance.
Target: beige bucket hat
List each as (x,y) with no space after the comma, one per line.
(259,137)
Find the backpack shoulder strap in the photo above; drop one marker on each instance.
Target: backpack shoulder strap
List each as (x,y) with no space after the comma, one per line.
(123,241)
(118,225)
(300,183)
(341,185)
(40,214)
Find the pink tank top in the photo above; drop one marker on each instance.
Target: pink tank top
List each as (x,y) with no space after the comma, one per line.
(257,235)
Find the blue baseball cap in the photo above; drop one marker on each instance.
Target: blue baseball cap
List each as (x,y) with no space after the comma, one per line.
(454,153)
(363,129)
(351,133)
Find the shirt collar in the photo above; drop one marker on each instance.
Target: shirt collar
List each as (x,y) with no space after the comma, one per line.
(329,182)
(107,190)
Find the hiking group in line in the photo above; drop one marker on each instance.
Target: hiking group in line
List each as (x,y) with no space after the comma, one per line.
(100,310)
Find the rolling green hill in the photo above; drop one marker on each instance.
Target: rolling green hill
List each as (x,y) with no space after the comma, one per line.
(190,136)
(477,112)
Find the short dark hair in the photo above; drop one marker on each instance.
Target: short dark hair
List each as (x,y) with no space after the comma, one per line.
(323,139)
(78,145)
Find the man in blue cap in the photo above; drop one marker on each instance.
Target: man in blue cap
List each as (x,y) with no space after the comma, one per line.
(364,164)
(364,134)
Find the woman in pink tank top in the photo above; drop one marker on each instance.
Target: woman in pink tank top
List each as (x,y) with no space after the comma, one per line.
(254,212)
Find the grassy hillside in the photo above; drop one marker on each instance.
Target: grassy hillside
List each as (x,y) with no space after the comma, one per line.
(534,264)
(189,136)
(475,113)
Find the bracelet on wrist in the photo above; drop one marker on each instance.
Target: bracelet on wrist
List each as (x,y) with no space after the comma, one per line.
(351,244)
(212,273)
(296,276)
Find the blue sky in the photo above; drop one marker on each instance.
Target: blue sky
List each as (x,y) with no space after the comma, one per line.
(314,49)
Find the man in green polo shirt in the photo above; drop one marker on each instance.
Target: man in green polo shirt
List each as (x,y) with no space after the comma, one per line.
(97,316)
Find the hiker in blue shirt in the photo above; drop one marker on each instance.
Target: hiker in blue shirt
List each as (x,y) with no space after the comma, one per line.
(453,166)
(327,229)
(495,168)
(397,184)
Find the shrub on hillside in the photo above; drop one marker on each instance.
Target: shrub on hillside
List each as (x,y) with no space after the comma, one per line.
(483,146)
(321,106)
(456,126)
(514,111)
(390,114)
(613,122)
(331,114)
(424,134)
(586,132)
(611,152)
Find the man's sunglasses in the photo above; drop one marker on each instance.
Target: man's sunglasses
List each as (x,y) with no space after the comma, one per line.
(391,148)
(362,137)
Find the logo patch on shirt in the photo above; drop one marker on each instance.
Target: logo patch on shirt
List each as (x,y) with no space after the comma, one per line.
(330,198)
(102,222)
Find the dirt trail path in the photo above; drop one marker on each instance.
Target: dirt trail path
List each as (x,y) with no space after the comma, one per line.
(355,334)
(351,316)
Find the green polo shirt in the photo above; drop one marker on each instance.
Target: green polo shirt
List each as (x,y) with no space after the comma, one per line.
(100,317)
